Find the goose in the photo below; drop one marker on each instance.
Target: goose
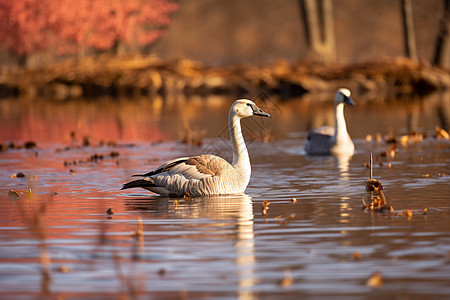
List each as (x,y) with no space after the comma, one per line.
(208,174)
(328,140)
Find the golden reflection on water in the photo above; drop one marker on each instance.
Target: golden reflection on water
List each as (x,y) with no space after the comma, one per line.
(344,209)
(224,212)
(342,163)
(146,119)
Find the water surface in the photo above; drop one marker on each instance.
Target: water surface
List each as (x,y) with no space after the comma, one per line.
(324,244)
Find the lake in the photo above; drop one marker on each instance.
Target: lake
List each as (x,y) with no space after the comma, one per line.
(68,231)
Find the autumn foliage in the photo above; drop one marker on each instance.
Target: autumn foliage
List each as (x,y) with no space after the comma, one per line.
(69,27)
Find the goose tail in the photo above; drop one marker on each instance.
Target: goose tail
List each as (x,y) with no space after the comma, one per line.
(138,183)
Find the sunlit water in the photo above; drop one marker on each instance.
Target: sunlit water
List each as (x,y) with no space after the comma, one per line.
(324,244)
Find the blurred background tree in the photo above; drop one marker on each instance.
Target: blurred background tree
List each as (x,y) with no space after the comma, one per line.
(225,32)
(408,29)
(442,51)
(319,29)
(76,27)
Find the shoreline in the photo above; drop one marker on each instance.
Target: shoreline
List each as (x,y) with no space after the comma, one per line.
(107,75)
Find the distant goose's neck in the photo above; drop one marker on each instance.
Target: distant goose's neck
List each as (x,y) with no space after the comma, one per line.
(340,126)
(240,153)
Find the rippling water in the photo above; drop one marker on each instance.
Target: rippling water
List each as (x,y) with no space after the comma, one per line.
(59,241)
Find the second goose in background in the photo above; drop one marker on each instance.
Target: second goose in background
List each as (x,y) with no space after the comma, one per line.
(328,140)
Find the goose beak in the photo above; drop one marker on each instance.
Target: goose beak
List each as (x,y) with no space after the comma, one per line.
(259,112)
(349,100)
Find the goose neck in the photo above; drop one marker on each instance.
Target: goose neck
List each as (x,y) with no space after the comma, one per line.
(240,153)
(340,125)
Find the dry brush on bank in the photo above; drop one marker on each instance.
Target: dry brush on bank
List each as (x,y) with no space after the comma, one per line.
(135,76)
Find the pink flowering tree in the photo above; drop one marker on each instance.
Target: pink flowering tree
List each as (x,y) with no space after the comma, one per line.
(69,27)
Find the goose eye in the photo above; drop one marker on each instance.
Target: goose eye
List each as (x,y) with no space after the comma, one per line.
(249,105)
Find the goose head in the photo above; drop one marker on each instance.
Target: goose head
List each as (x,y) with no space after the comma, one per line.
(343,95)
(244,108)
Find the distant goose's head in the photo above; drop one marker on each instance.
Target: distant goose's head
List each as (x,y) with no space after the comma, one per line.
(244,108)
(343,95)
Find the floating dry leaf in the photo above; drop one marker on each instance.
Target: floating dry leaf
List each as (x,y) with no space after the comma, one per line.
(139,233)
(30,145)
(375,281)
(64,269)
(409,213)
(373,185)
(287,280)
(13,193)
(18,175)
(378,138)
(378,204)
(293,200)
(390,153)
(413,137)
(114,154)
(390,138)
(162,272)
(109,211)
(441,134)
(356,255)
(265,207)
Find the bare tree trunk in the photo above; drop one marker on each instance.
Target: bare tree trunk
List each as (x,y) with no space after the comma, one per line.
(311,22)
(408,29)
(317,18)
(442,50)
(328,30)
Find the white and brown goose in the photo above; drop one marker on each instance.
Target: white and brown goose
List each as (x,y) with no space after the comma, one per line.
(328,140)
(206,174)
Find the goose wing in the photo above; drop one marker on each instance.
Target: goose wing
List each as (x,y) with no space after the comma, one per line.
(195,167)
(318,141)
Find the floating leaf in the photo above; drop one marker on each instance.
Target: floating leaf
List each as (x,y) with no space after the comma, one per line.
(109,211)
(64,269)
(287,280)
(293,200)
(441,134)
(30,145)
(390,153)
(373,185)
(409,213)
(13,193)
(375,281)
(162,272)
(265,207)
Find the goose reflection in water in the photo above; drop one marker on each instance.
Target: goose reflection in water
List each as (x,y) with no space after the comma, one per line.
(342,164)
(228,217)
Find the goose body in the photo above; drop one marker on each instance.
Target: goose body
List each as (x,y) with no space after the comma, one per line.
(206,174)
(328,140)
